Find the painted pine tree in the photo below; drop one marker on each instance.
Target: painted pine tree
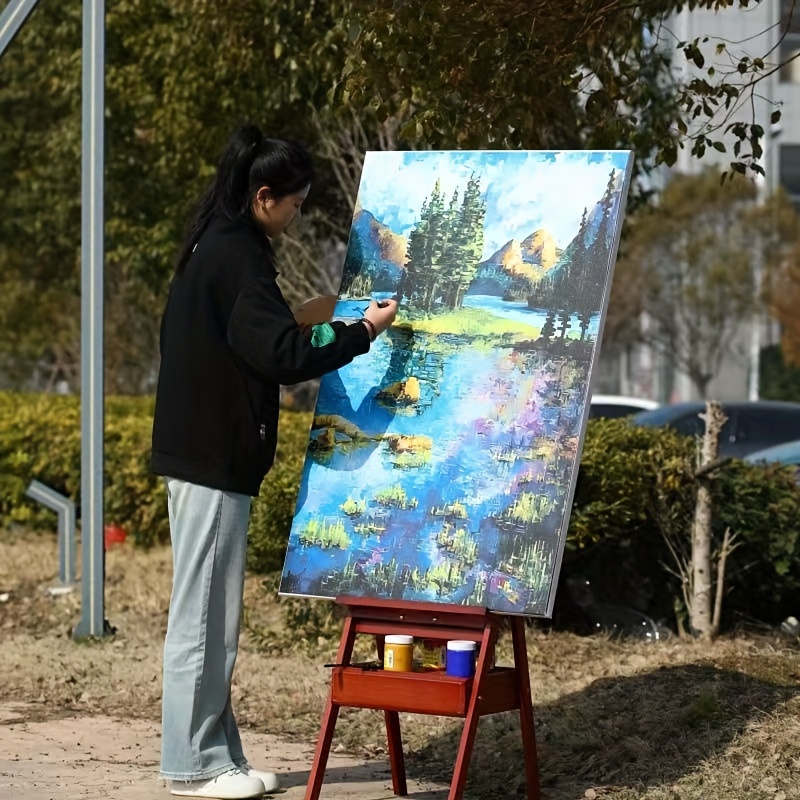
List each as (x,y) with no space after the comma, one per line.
(549,328)
(444,249)
(469,239)
(422,246)
(595,258)
(353,264)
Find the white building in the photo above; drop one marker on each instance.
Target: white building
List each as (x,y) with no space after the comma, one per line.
(765,30)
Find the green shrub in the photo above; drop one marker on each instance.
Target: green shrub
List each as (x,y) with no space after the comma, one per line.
(634,486)
(40,438)
(629,478)
(761,505)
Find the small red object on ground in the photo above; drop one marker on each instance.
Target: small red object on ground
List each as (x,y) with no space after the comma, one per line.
(113,534)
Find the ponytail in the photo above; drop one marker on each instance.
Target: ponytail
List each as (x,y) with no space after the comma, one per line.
(248,162)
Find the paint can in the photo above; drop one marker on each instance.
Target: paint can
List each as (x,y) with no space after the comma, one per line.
(398,653)
(461,659)
(433,653)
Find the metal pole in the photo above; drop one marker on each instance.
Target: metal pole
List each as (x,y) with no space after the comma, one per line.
(92,622)
(754,378)
(14,14)
(766,186)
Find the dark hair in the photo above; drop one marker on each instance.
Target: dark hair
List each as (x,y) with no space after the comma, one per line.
(248,162)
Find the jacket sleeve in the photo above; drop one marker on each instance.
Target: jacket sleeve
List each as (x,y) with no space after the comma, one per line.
(263,333)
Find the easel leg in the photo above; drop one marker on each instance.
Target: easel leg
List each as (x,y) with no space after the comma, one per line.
(396,758)
(526,723)
(471,720)
(322,752)
(329,718)
(394,739)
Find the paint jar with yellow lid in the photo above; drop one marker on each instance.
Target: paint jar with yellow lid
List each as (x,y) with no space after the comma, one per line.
(398,651)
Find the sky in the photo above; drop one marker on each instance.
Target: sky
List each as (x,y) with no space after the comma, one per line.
(524,190)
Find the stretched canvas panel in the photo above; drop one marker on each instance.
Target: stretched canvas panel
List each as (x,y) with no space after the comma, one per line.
(441,465)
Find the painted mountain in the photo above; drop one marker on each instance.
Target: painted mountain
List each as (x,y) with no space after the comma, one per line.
(376,256)
(538,272)
(576,283)
(517,266)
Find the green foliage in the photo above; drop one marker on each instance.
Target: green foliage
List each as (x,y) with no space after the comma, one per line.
(41,441)
(762,505)
(497,73)
(537,74)
(633,482)
(636,486)
(778,380)
(164,130)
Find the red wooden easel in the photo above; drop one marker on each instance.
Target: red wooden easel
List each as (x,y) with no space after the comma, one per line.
(492,690)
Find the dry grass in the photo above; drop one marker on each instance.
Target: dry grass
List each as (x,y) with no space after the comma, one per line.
(624,720)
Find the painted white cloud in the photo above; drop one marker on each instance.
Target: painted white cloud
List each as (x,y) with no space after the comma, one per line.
(524,191)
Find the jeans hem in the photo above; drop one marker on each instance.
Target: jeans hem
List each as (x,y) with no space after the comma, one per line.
(197,776)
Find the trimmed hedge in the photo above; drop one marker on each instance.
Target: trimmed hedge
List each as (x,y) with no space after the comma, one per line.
(40,439)
(634,485)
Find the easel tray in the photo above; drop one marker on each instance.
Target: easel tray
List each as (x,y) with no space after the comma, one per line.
(422,692)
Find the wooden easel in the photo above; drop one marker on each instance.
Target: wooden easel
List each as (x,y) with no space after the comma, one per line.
(492,690)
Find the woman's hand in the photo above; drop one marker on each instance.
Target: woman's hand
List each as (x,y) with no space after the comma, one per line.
(381,314)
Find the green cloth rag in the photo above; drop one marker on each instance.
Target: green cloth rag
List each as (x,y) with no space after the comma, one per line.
(322,334)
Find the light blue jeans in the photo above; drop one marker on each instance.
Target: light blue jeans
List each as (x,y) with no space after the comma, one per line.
(208,528)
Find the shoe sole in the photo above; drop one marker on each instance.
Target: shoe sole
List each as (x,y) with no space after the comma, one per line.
(272,787)
(179,793)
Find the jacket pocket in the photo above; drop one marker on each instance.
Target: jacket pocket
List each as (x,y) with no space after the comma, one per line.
(267,441)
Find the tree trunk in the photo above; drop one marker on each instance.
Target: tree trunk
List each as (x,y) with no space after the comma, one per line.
(586,320)
(727,548)
(700,381)
(426,297)
(700,612)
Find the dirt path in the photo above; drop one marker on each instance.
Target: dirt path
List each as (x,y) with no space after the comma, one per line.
(92,757)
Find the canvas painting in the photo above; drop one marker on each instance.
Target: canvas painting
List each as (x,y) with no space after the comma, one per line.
(441,465)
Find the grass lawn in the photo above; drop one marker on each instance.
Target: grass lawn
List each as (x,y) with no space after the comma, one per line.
(667,721)
(470,322)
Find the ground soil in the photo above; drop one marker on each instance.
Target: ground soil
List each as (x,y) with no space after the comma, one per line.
(622,719)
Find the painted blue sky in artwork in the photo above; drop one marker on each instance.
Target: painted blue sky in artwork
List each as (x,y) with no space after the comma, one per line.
(524,190)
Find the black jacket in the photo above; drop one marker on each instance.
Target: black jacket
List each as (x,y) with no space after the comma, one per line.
(228,340)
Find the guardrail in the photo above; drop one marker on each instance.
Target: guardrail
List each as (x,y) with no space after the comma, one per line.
(66,528)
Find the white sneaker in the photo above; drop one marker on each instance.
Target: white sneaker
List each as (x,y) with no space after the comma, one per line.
(269,779)
(231,785)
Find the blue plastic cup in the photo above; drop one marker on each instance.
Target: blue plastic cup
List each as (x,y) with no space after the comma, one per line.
(460,659)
